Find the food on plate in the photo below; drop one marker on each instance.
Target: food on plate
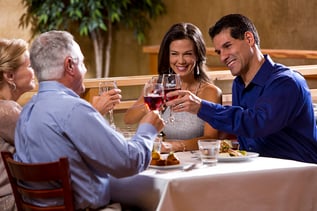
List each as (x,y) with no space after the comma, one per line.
(236,153)
(172,159)
(160,162)
(227,151)
(157,159)
(156,155)
(225,145)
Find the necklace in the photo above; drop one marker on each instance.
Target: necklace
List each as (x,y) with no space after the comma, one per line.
(195,90)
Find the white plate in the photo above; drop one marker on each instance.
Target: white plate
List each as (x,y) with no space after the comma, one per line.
(238,159)
(167,167)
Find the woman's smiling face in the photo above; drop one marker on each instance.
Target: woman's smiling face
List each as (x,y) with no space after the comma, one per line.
(182,56)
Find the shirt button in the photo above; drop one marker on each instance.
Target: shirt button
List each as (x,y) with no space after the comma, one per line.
(250,148)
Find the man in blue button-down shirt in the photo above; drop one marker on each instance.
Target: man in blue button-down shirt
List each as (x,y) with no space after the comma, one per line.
(56,122)
(272,111)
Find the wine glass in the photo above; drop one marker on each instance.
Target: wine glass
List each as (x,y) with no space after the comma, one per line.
(106,86)
(171,82)
(154,94)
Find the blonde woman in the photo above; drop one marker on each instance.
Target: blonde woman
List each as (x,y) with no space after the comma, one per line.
(16,78)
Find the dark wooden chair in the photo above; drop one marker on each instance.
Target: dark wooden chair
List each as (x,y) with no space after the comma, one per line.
(40,172)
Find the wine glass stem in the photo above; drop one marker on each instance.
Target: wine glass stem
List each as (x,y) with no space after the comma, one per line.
(111,119)
(171,117)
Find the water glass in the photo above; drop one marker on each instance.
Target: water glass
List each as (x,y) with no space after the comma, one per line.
(157,145)
(209,151)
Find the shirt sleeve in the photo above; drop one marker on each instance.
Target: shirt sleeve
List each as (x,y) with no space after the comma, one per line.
(277,105)
(106,150)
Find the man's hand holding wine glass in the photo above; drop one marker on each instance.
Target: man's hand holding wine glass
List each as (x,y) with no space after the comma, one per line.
(107,100)
(153,118)
(186,101)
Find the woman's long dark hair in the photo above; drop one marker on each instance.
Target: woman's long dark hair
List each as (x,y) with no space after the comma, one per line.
(181,31)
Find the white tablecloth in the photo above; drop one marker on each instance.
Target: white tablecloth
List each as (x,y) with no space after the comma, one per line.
(260,183)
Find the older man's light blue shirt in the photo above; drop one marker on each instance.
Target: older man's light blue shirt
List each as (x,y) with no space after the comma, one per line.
(57,122)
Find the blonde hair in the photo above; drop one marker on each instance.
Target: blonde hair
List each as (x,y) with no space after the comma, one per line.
(11,55)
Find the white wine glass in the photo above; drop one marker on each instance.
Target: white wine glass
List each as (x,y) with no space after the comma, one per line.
(171,82)
(105,86)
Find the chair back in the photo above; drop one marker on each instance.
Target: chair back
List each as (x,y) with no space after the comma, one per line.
(40,172)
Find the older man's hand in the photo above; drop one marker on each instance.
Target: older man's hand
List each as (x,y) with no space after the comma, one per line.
(153,118)
(107,101)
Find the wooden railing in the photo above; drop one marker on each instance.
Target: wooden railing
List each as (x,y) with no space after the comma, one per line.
(122,82)
(221,78)
(210,51)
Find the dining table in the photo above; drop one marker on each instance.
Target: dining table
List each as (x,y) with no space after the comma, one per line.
(247,183)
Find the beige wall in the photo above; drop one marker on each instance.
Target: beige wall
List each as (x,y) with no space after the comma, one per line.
(282,24)
(10,12)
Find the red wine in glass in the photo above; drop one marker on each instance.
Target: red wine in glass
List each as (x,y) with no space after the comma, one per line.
(154,94)
(170,90)
(154,102)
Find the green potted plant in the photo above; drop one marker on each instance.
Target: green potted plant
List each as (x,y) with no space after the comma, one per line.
(95,18)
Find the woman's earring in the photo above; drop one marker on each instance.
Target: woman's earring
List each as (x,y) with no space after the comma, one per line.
(13,86)
(197,67)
